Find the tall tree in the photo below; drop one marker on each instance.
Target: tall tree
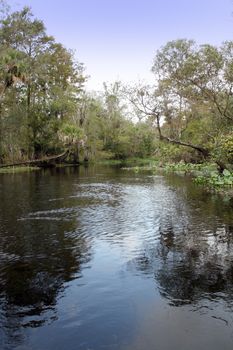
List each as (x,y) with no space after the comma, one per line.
(45,77)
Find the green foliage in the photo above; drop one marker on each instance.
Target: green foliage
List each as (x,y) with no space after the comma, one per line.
(19,169)
(71,134)
(183,167)
(223,147)
(196,170)
(40,85)
(215,180)
(194,96)
(167,152)
(204,174)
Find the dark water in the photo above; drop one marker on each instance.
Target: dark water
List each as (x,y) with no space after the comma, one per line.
(102,258)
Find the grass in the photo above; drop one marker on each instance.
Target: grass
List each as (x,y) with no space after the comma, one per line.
(17,169)
(129,162)
(199,169)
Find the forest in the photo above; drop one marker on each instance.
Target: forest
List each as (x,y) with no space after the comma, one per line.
(45,109)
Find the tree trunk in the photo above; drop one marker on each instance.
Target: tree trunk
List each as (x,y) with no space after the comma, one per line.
(205,152)
(29,122)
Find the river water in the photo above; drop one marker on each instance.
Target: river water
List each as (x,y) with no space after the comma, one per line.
(104,258)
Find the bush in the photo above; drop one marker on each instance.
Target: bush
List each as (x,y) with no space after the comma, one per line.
(216,180)
(223,148)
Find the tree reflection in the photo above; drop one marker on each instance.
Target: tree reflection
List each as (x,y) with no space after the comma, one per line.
(40,255)
(32,280)
(196,266)
(193,257)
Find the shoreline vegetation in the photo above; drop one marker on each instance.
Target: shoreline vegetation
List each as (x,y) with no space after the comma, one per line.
(18,169)
(203,174)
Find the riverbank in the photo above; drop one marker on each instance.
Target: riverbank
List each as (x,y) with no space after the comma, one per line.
(205,174)
(18,169)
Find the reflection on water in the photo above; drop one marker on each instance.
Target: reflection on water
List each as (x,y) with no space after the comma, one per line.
(94,258)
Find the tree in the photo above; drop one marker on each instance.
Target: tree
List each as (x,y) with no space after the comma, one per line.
(192,95)
(40,83)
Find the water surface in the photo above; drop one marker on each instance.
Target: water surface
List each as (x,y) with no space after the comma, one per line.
(102,258)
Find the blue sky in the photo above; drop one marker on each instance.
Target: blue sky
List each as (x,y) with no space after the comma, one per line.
(117,39)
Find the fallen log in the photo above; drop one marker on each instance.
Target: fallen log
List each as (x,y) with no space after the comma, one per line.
(41,163)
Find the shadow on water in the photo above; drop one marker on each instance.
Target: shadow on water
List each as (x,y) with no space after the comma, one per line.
(40,252)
